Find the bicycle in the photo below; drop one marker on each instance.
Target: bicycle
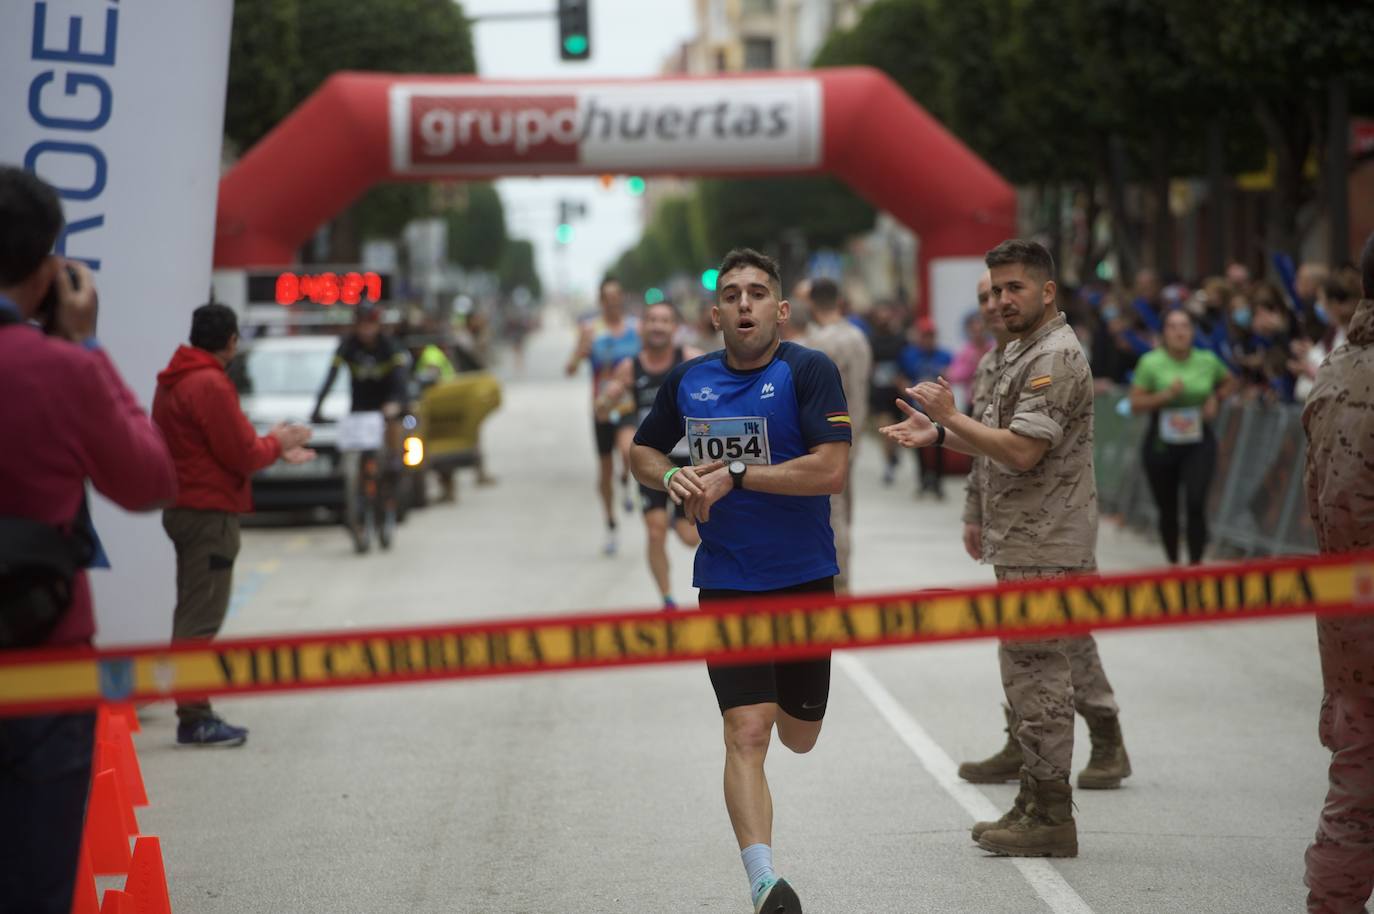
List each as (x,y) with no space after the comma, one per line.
(369,484)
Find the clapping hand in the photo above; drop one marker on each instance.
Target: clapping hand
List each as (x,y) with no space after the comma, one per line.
(936,398)
(915,431)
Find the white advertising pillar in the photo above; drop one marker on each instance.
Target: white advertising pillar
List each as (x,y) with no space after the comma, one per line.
(120,106)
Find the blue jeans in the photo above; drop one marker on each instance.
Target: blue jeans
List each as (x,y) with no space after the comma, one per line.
(45,773)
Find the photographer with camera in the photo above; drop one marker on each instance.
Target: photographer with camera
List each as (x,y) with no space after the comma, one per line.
(66,416)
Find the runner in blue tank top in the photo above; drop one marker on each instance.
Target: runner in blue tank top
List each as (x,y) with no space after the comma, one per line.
(641,377)
(768,437)
(604,342)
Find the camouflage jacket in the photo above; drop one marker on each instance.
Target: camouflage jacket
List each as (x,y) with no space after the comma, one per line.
(1046,515)
(1339,419)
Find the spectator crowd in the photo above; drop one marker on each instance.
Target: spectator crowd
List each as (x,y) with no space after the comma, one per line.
(1271,334)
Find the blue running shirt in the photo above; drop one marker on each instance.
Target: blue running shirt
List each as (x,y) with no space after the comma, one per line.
(609,350)
(756,541)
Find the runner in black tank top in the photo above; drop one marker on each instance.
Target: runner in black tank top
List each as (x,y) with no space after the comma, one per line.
(643,375)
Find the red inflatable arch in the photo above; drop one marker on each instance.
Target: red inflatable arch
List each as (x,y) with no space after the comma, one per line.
(362,128)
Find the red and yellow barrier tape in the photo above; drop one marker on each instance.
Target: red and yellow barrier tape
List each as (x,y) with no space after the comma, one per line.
(60,679)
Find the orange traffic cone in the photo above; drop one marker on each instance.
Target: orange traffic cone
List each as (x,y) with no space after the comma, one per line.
(147,881)
(117,902)
(107,836)
(128,712)
(84,897)
(107,759)
(117,732)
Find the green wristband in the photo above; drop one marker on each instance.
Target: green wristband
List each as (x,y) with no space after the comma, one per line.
(669,475)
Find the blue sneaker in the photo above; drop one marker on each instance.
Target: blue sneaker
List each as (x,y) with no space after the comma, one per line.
(778,898)
(212,732)
(669,604)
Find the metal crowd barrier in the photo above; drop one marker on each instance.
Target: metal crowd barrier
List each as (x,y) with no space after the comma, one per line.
(1257,506)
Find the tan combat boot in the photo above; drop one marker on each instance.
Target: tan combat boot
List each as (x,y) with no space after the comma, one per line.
(1000,768)
(1109,763)
(1018,809)
(1046,829)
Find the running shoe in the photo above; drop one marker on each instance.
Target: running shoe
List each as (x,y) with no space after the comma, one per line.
(779,898)
(669,604)
(611,544)
(211,732)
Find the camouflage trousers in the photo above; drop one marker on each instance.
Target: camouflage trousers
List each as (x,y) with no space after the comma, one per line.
(1046,681)
(1340,862)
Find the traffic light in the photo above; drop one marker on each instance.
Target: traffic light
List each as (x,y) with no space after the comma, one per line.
(574,29)
(568,210)
(709,278)
(635,185)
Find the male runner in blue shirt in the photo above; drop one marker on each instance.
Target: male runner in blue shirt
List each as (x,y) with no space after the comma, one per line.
(605,342)
(768,432)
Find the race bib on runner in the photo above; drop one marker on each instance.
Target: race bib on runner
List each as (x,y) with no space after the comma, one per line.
(1181,426)
(742,438)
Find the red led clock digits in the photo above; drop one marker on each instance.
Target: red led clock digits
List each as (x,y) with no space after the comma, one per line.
(288,289)
(328,288)
(352,288)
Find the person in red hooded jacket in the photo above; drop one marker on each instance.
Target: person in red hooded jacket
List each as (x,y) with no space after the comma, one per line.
(216,451)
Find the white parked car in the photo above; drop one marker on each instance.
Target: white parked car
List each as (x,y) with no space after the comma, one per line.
(278,379)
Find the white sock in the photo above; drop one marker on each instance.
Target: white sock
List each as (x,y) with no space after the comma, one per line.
(758,864)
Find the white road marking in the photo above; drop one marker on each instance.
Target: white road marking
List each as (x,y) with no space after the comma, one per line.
(1043,878)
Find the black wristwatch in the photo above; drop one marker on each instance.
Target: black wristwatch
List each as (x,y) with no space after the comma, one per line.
(737,473)
(939,435)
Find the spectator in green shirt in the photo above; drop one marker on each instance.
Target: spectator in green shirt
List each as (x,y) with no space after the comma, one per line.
(1181,386)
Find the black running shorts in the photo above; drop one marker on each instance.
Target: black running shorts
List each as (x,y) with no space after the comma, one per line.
(605,438)
(799,687)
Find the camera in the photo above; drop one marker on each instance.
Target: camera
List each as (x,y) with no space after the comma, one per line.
(46,315)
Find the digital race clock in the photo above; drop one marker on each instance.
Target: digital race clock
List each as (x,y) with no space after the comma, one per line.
(328,288)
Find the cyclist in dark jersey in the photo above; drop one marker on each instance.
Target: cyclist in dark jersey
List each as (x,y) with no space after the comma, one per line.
(768,433)
(376,367)
(642,376)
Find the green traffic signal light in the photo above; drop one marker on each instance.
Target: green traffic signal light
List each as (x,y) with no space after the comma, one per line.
(564,234)
(574,29)
(653,295)
(709,278)
(635,185)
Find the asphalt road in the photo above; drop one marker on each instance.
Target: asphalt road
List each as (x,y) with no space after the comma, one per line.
(600,792)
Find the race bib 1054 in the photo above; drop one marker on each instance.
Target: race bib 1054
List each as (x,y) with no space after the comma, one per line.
(743,438)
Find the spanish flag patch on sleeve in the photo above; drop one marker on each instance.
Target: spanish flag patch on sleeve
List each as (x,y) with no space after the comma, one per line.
(1041,382)
(838,418)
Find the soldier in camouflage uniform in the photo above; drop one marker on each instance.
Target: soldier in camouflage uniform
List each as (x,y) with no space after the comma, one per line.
(1339,419)
(1092,692)
(984,377)
(1039,521)
(849,349)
